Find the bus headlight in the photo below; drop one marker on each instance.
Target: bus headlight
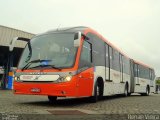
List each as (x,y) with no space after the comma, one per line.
(16,78)
(68,78)
(65,78)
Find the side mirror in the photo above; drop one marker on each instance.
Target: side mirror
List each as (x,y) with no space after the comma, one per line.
(77,39)
(14,70)
(12,43)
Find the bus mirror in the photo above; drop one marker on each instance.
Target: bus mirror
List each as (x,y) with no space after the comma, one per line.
(12,43)
(77,39)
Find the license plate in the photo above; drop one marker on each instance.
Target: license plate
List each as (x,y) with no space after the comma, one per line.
(36,90)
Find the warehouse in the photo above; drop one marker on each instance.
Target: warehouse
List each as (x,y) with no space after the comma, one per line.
(6,35)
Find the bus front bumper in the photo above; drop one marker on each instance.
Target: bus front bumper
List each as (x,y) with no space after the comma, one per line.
(49,89)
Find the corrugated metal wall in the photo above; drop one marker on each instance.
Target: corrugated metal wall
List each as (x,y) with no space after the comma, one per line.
(7,34)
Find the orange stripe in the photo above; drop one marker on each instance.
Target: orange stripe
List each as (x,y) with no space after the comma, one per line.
(10,73)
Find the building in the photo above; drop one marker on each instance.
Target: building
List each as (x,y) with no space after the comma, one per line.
(6,35)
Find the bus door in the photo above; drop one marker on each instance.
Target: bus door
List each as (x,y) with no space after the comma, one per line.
(132,80)
(136,74)
(107,68)
(85,80)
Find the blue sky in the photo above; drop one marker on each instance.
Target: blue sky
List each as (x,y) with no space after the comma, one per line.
(132,25)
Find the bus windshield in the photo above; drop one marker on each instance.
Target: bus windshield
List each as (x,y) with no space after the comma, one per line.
(53,49)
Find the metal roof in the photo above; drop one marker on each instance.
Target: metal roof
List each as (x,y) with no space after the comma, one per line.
(7,34)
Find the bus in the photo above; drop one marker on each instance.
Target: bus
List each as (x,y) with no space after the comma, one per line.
(78,62)
(144,79)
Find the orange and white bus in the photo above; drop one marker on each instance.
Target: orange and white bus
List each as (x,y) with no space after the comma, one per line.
(78,62)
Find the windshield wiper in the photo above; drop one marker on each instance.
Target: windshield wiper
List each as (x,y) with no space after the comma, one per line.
(53,66)
(33,61)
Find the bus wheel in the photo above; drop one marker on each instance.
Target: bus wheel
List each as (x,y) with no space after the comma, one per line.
(129,94)
(94,98)
(52,99)
(147,91)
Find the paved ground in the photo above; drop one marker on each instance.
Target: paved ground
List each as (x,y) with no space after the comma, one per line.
(108,108)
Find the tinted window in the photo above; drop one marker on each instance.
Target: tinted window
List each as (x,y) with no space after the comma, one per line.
(135,70)
(85,60)
(153,75)
(107,56)
(115,60)
(126,65)
(98,49)
(111,57)
(143,72)
(58,49)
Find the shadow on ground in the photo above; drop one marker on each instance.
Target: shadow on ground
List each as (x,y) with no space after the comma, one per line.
(71,102)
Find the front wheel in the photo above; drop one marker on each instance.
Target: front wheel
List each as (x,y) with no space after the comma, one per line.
(98,92)
(96,95)
(52,99)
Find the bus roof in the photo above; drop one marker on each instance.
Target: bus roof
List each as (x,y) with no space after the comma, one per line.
(140,63)
(68,29)
(105,40)
(65,29)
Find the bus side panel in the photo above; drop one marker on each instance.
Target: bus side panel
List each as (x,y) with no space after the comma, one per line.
(85,83)
(141,85)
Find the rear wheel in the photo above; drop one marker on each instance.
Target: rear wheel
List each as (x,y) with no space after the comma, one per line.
(147,92)
(129,94)
(52,99)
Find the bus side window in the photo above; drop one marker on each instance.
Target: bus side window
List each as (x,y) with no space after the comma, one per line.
(153,75)
(126,65)
(86,60)
(107,55)
(115,60)
(136,70)
(111,56)
(150,74)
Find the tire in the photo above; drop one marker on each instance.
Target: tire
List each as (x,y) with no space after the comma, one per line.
(52,99)
(129,94)
(94,99)
(147,92)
